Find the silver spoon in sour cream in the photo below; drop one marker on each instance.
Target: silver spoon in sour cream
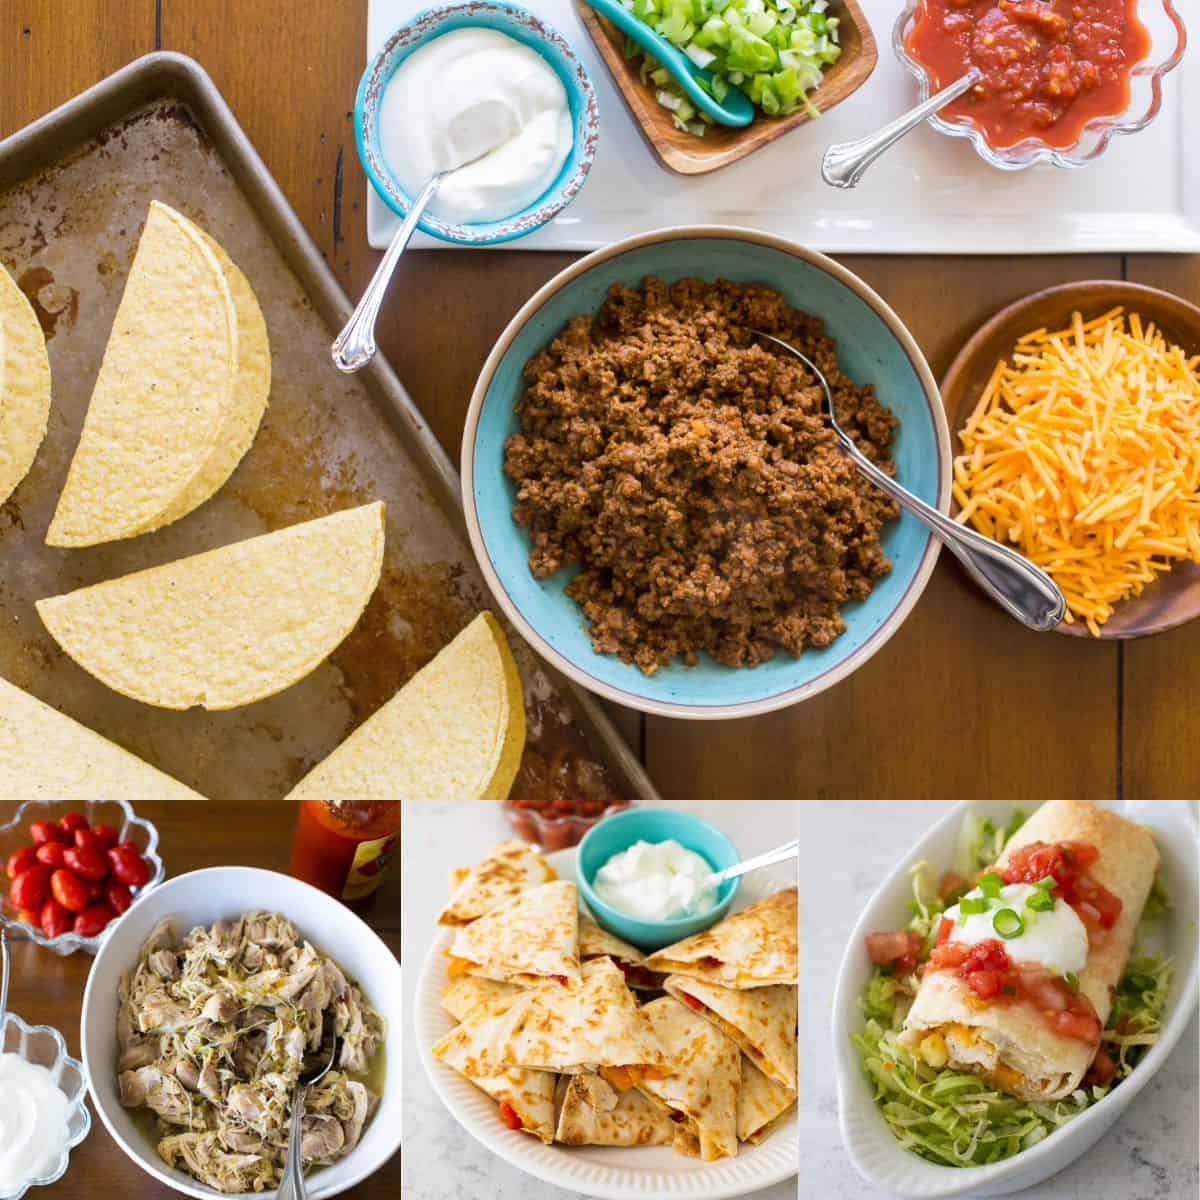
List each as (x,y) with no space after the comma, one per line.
(355,346)
(779,854)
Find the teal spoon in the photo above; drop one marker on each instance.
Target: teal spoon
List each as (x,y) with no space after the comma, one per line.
(736,109)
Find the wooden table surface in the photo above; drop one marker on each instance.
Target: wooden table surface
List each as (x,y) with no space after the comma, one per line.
(48,990)
(961,701)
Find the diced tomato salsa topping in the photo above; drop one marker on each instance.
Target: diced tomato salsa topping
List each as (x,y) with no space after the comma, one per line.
(900,948)
(1068,863)
(993,977)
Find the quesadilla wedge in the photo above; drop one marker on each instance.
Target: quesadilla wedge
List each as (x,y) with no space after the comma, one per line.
(532,938)
(761,1022)
(595,1025)
(763,1105)
(753,948)
(526,1098)
(164,386)
(595,942)
(507,870)
(701,1093)
(232,625)
(45,755)
(995,1004)
(24,385)
(593,1113)
(470,994)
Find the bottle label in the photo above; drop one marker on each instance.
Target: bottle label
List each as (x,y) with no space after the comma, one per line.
(369,866)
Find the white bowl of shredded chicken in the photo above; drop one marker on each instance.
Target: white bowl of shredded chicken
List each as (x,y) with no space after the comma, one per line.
(201,1009)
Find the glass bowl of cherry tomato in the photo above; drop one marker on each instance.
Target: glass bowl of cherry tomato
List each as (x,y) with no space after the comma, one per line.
(72,868)
(557,824)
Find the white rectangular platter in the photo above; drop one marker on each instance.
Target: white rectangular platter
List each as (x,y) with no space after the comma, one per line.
(930,195)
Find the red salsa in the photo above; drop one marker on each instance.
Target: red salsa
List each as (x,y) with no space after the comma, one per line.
(1048,66)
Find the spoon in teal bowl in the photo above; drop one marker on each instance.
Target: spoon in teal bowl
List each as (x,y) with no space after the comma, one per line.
(736,109)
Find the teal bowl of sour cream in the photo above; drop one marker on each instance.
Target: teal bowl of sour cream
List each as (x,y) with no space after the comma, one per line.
(488,88)
(643,857)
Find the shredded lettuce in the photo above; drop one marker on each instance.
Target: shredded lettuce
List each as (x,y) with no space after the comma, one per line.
(956,1118)
(774,50)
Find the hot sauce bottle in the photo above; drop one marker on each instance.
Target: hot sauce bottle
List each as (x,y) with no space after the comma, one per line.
(344,847)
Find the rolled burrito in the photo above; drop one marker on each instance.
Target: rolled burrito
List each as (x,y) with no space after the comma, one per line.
(1038,1035)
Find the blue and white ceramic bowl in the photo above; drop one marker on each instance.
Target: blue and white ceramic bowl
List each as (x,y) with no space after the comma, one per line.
(873,347)
(617,833)
(525,27)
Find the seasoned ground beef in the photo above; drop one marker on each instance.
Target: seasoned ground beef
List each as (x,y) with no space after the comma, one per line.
(688,471)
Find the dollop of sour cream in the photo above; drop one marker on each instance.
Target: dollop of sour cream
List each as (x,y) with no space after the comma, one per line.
(475,94)
(33,1122)
(1056,938)
(656,881)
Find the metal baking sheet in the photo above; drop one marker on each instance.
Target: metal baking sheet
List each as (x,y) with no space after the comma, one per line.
(74,190)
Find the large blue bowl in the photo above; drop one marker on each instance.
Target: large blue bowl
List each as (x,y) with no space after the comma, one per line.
(525,27)
(873,347)
(622,830)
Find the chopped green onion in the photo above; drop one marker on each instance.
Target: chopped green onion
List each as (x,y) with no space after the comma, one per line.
(774,50)
(1040,900)
(1049,883)
(1008,924)
(1072,981)
(969,905)
(990,885)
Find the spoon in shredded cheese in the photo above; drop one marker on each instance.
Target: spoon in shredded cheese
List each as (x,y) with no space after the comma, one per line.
(1084,453)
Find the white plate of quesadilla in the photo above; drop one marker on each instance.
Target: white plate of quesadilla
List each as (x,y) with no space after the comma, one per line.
(634,1083)
(1025,970)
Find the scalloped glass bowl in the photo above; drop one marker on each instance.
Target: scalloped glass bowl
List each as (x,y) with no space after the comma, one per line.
(1168,38)
(45,1047)
(118,813)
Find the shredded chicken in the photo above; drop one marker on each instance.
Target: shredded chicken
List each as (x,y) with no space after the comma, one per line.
(213,1035)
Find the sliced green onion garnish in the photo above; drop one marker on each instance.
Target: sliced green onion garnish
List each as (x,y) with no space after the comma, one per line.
(969,905)
(1039,901)
(1049,883)
(1072,981)
(990,885)
(1008,924)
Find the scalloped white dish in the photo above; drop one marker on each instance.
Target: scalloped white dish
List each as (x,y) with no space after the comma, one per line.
(119,814)
(869,1143)
(611,1173)
(45,1047)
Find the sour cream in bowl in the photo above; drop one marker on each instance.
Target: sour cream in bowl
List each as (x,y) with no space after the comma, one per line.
(656,881)
(653,860)
(490,92)
(43,1106)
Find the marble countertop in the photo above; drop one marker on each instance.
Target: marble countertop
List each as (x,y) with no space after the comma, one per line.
(1151,1153)
(441,1161)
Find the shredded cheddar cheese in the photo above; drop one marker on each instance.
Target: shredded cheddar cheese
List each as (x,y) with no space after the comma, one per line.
(1084,453)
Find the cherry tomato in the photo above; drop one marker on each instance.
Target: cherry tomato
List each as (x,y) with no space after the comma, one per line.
(128,867)
(68,890)
(93,919)
(71,822)
(86,862)
(20,861)
(51,853)
(128,844)
(30,917)
(56,920)
(106,835)
(46,831)
(86,839)
(30,887)
(93,889)
(117,897)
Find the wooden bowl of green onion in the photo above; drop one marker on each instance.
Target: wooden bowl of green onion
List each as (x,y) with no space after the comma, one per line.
(793,58)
